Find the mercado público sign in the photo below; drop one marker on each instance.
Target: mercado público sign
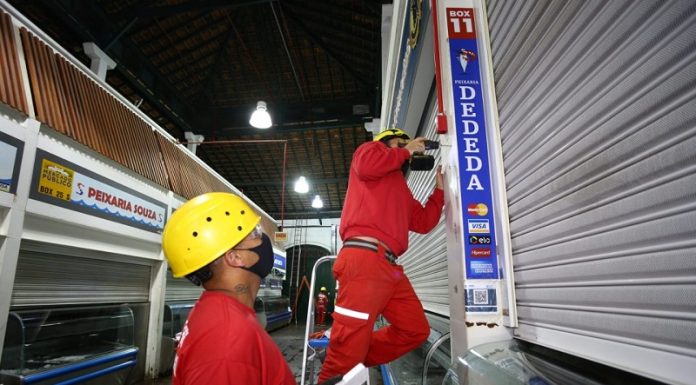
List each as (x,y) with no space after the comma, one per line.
(480,256)
(62,183)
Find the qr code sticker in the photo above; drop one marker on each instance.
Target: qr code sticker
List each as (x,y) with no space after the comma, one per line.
(480,297)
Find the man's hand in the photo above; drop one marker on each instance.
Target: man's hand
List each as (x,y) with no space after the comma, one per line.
(439,179)
(416,145)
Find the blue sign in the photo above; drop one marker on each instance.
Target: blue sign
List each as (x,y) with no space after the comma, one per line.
(480,257)
(11,150)
(279,261)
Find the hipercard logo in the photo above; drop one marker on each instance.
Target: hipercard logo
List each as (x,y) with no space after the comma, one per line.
(480,252)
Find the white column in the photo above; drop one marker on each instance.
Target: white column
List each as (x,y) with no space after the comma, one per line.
(13,222)
(101,62)
(473,325)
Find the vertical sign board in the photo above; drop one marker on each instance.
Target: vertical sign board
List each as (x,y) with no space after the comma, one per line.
(279,261)
(10,158)
(62,183)
(480,257)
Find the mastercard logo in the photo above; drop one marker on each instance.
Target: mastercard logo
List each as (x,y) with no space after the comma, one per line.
(479,209)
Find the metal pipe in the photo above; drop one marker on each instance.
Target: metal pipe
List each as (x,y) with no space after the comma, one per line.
(431,351)
(287,51)
(282,191)
(306,226)
(441,122)
(120,34)
(236,141)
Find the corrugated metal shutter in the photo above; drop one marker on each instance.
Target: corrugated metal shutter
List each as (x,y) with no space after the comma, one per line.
(181,289)
(598,123)
(425,262)
(55,275)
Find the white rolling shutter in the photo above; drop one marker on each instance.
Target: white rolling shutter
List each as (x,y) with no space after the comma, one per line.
(597,105)
(56,275)
(425,261)
(181,289)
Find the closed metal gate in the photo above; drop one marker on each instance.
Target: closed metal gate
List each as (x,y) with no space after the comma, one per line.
(56,275)
(425,262)
(181,289)
(597,105)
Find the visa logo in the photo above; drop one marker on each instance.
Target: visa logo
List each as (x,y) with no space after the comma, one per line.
(478,226)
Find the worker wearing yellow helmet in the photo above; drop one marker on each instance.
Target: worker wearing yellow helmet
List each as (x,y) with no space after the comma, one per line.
(214,240)
(378,212)
(391,133)
(322,306)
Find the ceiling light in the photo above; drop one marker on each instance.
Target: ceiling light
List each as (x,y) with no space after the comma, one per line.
(317,203)
(260,118)
(301,186)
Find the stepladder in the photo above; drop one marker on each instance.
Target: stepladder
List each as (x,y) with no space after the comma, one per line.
(315,345)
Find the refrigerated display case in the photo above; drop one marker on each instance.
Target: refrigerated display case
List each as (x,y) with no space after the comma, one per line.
(175,315)
(87,345)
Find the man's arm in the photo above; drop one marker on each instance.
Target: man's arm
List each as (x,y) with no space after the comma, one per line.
(425,218)
(374,160)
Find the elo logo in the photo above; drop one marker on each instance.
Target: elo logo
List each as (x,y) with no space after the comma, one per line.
(478,226)
(479,239)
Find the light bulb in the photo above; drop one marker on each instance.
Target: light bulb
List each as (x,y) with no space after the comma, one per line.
(301,186)
(260,118)
(317,202)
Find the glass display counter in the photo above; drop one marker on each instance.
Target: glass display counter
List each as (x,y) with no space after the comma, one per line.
(175,316)
(90,344)
(517,362)
(277,312)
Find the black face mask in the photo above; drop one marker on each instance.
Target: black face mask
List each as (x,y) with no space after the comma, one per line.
(265,263)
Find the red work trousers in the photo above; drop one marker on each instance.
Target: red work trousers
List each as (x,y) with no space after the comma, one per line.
(370,286)
(321,315)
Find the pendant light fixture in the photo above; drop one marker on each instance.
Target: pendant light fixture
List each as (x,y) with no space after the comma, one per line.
(317,203)
(260,118)
(301,186)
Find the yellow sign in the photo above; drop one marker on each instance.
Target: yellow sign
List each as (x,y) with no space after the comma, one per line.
(281,236)
(56,180)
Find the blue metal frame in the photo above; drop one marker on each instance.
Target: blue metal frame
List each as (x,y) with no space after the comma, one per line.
(278,317)
(67,369)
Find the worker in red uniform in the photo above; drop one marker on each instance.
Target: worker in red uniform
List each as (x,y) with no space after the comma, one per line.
(378,213)
(214,241)
(322,305)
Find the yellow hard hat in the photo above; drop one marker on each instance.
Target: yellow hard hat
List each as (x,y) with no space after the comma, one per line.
(391,132)
(322,289)
(204,228)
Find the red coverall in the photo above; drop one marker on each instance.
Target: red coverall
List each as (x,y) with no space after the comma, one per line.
(378,204)
(223,343)
(322,305)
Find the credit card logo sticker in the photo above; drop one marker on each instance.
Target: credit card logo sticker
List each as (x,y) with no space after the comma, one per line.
(479,239)
(480,252)
(478,226)
(477,209)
